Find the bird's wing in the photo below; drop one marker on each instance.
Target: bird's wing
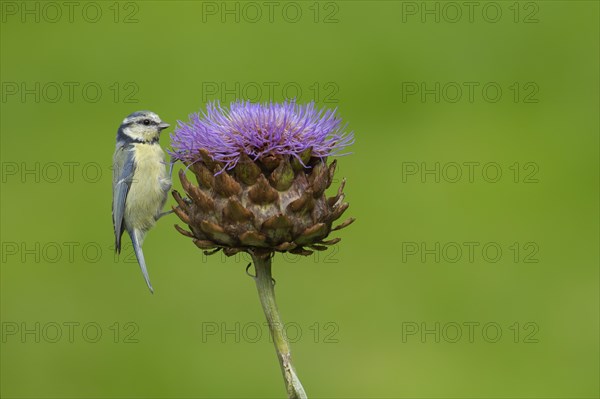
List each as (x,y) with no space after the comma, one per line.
(123,169)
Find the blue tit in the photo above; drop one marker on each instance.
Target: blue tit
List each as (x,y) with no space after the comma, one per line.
(140,181)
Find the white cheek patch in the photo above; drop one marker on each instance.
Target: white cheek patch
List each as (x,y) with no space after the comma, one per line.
(140,133)
(133,133)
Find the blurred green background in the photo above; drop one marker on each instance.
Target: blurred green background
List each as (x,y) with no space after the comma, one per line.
(394,311)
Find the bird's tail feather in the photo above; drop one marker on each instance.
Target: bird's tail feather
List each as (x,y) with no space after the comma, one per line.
(136,239)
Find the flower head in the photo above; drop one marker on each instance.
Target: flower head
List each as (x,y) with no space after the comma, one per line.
(259,130)
(262,173)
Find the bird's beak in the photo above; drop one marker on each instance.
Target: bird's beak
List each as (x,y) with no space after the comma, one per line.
(163,125)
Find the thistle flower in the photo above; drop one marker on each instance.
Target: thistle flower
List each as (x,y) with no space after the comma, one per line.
(261,173)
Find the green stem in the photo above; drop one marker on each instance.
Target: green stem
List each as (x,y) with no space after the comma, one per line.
(266,293)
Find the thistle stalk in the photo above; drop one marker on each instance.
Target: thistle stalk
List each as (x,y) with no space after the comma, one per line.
(266,293)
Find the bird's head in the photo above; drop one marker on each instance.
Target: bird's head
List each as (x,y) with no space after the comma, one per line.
(141,127)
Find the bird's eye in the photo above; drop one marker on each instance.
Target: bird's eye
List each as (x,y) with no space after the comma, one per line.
(146,122)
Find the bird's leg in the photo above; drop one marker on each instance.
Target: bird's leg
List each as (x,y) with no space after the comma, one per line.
(164,214)
(172,164)
(187,201)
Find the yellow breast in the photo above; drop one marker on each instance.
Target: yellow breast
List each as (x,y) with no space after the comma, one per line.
(148,191)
